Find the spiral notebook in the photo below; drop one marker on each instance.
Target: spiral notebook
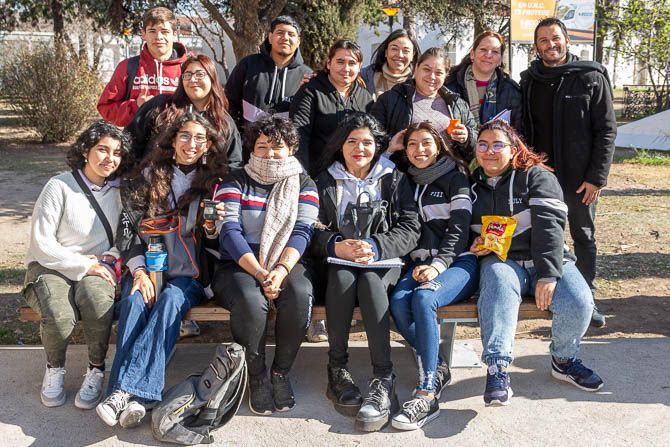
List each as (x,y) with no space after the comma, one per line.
(385,264)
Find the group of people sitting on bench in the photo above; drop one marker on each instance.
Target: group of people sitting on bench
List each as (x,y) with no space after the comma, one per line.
(379,207)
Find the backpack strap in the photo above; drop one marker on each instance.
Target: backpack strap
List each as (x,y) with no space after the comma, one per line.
(131,71)
(94,203)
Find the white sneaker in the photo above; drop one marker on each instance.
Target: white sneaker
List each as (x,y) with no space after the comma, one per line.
(53,391)
(189,328)
(110,409)
(132,415)
(90,392)
(316,332)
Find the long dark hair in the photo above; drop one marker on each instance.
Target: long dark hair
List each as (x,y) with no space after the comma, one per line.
(91,136)
(524,157)
(443,149)
(216,108)
(160,162)
(357,120)
(378,57)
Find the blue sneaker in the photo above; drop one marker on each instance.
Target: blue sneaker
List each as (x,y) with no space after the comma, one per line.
(498,390)
(574,372)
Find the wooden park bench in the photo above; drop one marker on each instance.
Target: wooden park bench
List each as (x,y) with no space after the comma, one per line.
(450,316)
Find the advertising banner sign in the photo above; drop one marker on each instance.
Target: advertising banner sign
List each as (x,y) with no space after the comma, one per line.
(525,15)
(578,16)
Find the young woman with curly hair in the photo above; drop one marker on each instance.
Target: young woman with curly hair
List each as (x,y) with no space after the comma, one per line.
(187,161)
(70,262)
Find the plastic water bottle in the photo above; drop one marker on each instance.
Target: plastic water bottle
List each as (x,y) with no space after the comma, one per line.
(156,260)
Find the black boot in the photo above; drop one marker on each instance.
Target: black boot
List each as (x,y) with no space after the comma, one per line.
(378,406)
(343,391)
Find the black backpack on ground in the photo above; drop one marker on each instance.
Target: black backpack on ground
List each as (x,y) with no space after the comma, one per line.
(192,409)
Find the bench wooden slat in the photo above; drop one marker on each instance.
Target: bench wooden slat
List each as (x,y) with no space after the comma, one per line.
(212,312)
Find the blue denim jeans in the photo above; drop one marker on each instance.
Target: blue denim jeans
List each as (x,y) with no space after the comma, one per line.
(147,336)
(414,311)
(503,284)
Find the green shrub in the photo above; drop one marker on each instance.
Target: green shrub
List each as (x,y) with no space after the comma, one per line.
(52,92)
(650,158)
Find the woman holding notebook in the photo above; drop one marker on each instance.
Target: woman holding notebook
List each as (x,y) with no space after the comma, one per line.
(367,215)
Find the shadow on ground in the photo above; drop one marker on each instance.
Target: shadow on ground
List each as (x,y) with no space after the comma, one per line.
(636,384)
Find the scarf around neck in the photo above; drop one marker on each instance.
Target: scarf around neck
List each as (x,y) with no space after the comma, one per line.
(428,175)
(281,212)
(486,109)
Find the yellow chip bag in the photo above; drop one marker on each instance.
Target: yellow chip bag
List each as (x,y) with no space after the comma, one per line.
(497,234)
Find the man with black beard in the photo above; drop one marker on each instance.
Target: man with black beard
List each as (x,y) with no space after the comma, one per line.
(576,132)
(263,84)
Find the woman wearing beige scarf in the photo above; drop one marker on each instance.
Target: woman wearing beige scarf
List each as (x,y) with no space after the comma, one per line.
(270,209)
(393,63)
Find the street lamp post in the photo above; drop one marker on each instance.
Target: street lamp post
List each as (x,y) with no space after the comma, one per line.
(391,10)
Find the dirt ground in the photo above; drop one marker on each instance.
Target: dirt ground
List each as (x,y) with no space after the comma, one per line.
(633,244)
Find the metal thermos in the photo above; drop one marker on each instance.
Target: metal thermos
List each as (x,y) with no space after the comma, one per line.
(156,258)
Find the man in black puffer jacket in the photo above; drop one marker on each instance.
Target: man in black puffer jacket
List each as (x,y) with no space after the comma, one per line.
(577,132)
(263,84)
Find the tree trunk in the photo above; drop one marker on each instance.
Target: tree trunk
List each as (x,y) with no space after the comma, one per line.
(250,26)
(58,21)
(409,22)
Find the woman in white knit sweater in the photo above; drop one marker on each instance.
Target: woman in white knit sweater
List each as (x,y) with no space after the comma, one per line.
(70,263)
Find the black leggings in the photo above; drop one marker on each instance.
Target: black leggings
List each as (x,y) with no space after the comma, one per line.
(370,287)
(237,291)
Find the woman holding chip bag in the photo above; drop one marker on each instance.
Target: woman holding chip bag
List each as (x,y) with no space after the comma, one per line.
(519,214)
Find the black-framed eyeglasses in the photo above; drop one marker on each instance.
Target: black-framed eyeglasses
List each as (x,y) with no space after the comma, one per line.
(198,75)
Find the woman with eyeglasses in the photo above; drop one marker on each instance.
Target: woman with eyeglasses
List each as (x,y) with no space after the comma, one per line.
(393,62)
(481,80)
(327,99)
(424,98)
(199,91)
(513,182)
(162,200)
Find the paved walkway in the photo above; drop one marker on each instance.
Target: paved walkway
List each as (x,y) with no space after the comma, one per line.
(632,409)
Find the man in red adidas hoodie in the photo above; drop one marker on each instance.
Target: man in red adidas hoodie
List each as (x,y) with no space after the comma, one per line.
(157,70)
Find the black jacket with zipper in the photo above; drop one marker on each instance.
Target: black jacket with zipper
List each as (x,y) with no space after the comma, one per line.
(508,93)
(584,125)
(394,109)
(258,81)
(317,110)
(396,236)
(445,213)
(538,207)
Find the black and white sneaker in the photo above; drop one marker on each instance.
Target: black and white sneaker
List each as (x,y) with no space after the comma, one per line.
(416,413)
(442,379)
(574,372)
(378,406)
(111,408)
